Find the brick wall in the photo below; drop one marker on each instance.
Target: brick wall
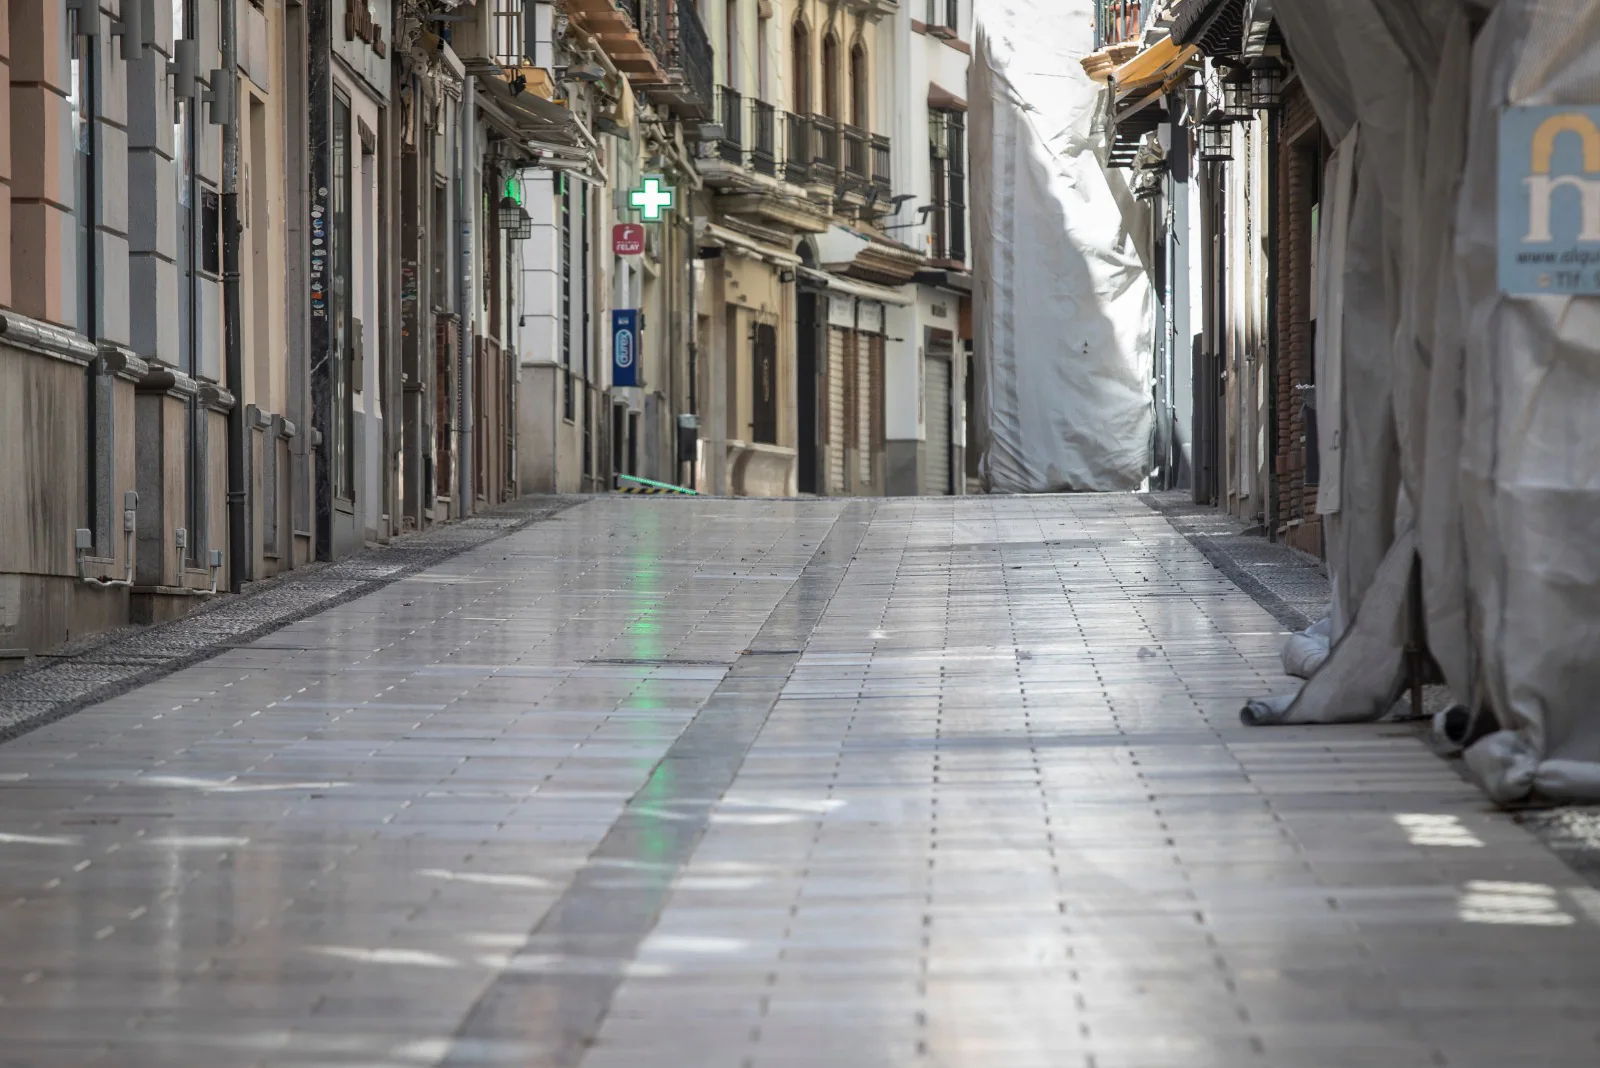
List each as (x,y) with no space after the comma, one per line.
(1299,161)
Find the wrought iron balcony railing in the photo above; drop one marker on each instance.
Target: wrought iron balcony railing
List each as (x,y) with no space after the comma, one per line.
(730,114)
(881,160)
(857,165)
(943,14)
(763,138)
(824,148)
(1119,21)
(689,55)
(797,145)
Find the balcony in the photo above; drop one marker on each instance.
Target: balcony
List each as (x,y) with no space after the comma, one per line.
(881,161)
(660,45)
(824,149)
(943,18)
(1119,27)
(760,144)
(1120,21)
(730,113)
(797,133)
(857,167)
(763,138)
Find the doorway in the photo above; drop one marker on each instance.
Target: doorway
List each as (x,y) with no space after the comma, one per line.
(764,383)
(805,369)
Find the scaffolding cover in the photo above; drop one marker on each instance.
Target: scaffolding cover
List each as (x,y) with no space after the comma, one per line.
(1064,309)
(1493,393)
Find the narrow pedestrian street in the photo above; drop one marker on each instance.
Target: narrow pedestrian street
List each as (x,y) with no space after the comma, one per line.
(698,783)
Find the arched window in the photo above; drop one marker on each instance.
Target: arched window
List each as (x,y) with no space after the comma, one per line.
(830,76)
(860,88)
(800,53)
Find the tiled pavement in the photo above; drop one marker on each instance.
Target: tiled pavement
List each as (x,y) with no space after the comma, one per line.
(691,784)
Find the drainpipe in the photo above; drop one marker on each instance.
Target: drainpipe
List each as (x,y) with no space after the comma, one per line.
(319,117)
(466,190)
(225,91)
(1275,234)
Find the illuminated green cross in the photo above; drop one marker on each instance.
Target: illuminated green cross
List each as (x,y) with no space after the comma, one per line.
(652,199)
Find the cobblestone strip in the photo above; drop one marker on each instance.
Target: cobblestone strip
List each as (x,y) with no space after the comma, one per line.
(58,684)
(1292,587)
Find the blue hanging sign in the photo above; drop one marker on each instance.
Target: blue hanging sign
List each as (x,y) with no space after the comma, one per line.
(625,347)
(1550,200)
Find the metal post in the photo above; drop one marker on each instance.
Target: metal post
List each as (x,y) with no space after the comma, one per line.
(467,193)
(233,354)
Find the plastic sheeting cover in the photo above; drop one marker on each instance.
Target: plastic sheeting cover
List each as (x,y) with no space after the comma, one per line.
(1064,310)
(1493,395)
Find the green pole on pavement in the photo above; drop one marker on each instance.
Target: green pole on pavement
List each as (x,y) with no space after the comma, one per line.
(658,485)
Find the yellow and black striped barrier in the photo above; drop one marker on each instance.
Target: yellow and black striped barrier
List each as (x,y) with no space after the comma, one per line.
(631,484)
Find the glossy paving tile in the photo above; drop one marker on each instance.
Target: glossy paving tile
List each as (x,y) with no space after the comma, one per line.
(805,783)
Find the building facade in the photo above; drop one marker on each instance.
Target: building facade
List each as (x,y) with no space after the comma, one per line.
(289,279)
(260,303)
(1211,134)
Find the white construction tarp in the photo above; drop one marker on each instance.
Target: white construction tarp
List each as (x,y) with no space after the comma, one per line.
(1491,398)
(1064,312)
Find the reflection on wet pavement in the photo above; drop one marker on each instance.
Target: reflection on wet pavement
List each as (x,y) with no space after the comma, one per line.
(949,782)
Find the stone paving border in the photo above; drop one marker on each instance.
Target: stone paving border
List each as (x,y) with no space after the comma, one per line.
(57,684)
(1290,585)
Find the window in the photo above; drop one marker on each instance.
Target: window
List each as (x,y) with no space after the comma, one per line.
(508,36)
(800,54)
(830,76)
(948,137)
(860,88)
(341,307)
(944,14)
(763,67)
(439,231)
(730,49)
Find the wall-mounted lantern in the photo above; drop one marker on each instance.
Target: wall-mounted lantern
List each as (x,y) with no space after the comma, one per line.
(1266,88)
(1216,138)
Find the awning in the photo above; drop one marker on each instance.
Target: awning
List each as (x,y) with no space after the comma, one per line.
(1157,65)
(721,235)
(1216,26)
(855,288)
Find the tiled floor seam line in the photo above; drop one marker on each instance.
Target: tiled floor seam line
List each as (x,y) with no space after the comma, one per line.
(161,668)
(1274,605)
(594,917)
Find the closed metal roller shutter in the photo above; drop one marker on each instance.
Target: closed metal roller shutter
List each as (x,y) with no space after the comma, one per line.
(936,464)
(836,421)
(863,413)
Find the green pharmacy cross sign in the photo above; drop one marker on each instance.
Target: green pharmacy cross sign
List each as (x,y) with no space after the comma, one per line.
(652,198)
